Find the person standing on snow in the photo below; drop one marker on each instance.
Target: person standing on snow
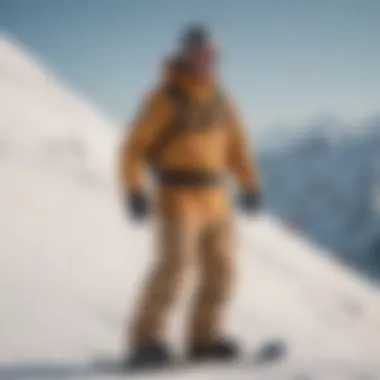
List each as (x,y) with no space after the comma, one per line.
(188,133)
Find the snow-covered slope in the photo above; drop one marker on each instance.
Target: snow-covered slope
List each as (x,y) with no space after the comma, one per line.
(327,184)
(66,132)
(70,264)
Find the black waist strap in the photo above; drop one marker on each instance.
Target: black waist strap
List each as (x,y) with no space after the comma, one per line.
(172,177)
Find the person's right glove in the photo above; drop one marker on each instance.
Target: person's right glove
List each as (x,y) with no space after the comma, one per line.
(137,206)
(249,201)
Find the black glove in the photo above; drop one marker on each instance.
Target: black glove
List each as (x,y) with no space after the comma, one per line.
(249,201)
(137,206)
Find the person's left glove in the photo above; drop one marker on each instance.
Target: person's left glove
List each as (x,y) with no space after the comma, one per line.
(137,206)
(249,201)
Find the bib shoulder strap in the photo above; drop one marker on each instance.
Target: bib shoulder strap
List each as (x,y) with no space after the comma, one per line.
(180,103)
(221,102)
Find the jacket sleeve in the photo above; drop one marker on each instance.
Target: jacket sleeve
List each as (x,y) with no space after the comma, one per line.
(240,159)
(154,114)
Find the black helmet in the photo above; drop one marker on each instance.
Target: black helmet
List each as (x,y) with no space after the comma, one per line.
(195,34)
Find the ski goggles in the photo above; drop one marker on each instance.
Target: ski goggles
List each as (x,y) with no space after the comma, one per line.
(203,52)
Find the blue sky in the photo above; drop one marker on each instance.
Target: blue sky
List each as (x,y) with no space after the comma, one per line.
(284,60)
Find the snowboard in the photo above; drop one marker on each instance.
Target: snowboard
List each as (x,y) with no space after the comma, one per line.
(268,353)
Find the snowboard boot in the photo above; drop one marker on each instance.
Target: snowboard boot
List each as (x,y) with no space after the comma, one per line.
(154,355)
(221,350)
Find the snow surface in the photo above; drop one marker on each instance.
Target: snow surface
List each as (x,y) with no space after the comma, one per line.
(70,262)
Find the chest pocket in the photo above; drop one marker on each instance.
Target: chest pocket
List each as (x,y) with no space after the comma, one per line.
(188,116)
(202,117)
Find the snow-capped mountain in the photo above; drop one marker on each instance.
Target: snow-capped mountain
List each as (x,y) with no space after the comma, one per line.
(326,183)
(71,262)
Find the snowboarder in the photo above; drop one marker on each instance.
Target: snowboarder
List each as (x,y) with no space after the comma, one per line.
(188,132)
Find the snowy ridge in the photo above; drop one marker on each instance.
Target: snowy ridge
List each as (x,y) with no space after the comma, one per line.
(41,119)
(70,263)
